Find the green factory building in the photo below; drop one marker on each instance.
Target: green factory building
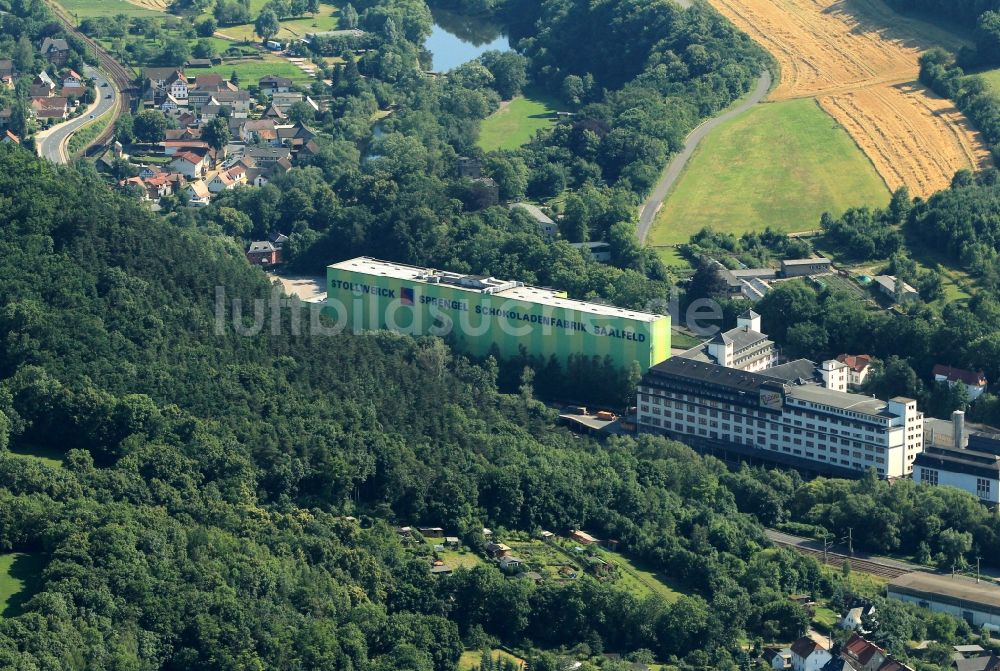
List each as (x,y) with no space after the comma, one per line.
(475,313)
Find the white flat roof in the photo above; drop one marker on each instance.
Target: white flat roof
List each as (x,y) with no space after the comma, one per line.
(523,293)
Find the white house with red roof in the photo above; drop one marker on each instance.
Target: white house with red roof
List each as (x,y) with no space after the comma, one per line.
(809,654)
(975,383)
(190,164)
(859,365)
(226,180)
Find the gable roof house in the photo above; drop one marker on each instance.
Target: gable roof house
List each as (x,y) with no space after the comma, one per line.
(258,130)
(9,138)
(275,113)
(294,135)
(546,226)
(777,659)
(50,108)
(73,84)
(42,85)
(859,365)
(214,83)
(189,164)
(975,383)
(862,654)
(263,253)
(55,49)
(272,84)
(237,101)
(198,193)
(226,180)
(809,655)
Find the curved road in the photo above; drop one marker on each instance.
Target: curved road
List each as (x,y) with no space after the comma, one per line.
(53,145)
(677,163)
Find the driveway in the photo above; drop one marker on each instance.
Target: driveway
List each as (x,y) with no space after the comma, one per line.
(53,144)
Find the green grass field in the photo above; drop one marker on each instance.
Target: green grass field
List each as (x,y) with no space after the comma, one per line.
(992,78)
(779,165)
(85,8)
(46,455)
(471,659)
(516,122)
(639,580)
(250,72)
(291,29)
(19,580)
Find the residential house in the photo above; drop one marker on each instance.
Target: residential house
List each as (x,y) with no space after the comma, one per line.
(55,49)
(508,563)
(273,112)
(226,180)
(430,532)
(852,619)
(777,658)
(163,184)
(272,84)
(599,251)
(497,550)
(310,148)
(213,83)
(170,104)
(859,365)
(449,541)
(190,164)
(198,99)
(259,130)
(975,383)
(73,85)
(834,374)
(185,119)
(259,176)
(183,134)
(5,117)
(887,285)
(9,138)
(177,85)
(134,182)
(55,107)
(264,155)
(294,136)
(546,226)
(809,655)
(285,100)
(980,663)
(198,193)
(862,654)
(42,86)
(174,147)
(239,102)
(263,253)
(147,171)
(6,67)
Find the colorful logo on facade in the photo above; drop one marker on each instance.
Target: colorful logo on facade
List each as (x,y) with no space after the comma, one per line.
(406,295)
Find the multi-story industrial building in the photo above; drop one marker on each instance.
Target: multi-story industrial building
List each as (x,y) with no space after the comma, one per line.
(745,347)
(477,314)
(775,418)
(962,456)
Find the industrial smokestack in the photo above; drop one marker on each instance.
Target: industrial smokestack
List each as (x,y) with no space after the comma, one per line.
(958,428)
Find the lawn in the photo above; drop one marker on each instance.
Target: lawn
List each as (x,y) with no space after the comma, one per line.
(471,659)
(679,339)
(517,121)
(459,559)
(19,580)
(992,78)
(825,618)
(780,165)
(46,455)
(638,579)
(251,71)
(84,8)
(291,29)
(673,258)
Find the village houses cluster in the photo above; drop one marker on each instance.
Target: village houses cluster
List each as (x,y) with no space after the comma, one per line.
(263,141)
(53,97)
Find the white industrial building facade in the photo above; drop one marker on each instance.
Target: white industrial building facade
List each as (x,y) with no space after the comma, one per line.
(978,603)
(718,409)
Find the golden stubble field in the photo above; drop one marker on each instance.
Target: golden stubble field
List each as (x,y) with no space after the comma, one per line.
(859,59)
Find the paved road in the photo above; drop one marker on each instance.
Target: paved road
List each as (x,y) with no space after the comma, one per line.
(53,145)
(677,163)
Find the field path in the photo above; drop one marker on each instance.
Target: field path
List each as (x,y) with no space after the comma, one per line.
(858,58)
(676,166)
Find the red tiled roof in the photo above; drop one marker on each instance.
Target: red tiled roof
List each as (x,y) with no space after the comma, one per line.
(956,374)
(861,650)
(189,156)
(856,362)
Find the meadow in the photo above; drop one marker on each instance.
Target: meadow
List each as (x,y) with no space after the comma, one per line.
(517,121)
(84,8)
(780,165)
(251,71)
(19,577)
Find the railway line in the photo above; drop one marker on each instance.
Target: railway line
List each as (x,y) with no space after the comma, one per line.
(876,566)
(120,75)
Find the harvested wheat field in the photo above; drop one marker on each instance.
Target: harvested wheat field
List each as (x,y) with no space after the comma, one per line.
(889,120)
(827,45)
(859,59)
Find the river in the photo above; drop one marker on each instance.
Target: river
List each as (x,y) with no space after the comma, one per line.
(456,39)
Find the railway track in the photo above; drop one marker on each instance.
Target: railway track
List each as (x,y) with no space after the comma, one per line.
(121,76)
(857,564)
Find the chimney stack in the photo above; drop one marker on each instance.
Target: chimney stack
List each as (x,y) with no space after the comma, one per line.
(958,428)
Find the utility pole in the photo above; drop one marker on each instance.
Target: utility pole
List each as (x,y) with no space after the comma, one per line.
(850,541)
(826,544)
(977,568)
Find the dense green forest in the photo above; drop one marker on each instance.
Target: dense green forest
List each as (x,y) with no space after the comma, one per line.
(196,520)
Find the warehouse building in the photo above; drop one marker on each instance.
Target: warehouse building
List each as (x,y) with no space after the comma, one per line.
(976,602)
(477,313)
(777,416)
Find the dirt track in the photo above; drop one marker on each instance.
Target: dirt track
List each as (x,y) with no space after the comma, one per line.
(859,58)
